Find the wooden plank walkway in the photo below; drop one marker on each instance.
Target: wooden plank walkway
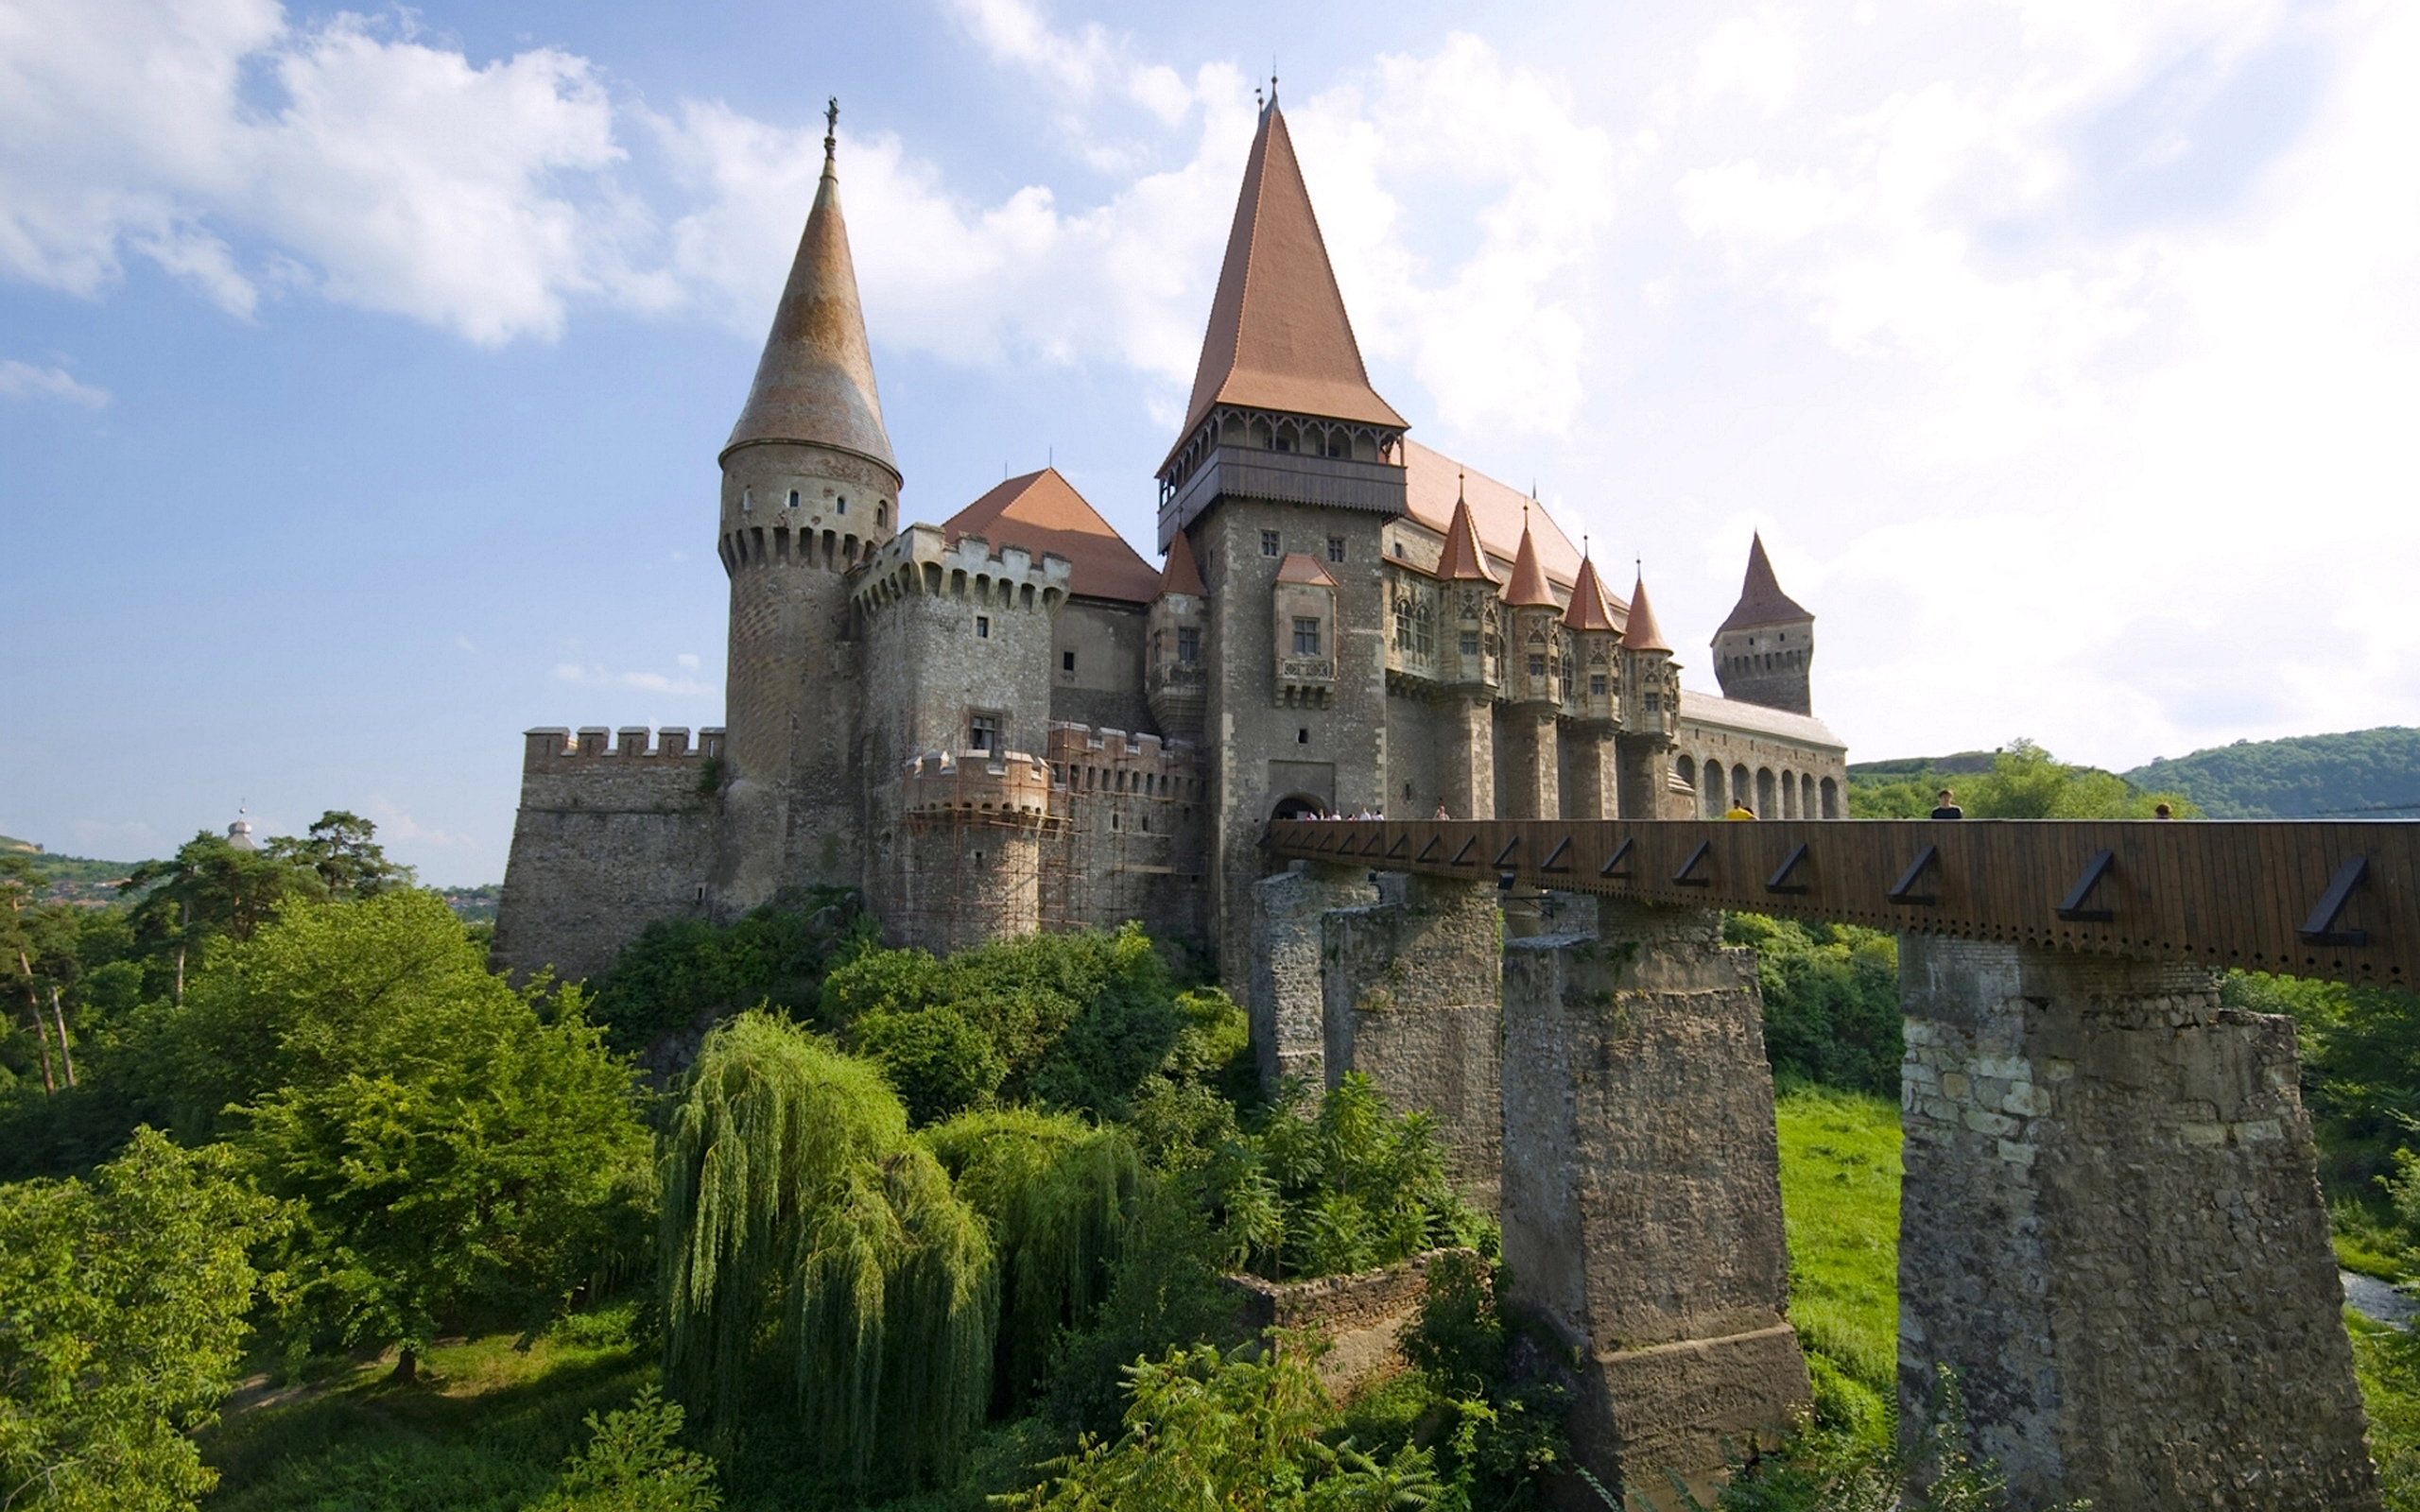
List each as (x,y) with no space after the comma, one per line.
(2310,898)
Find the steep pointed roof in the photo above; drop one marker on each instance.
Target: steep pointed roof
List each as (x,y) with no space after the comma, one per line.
(814,382)
(1641,633)
(1761,600)
(1529,587)
(1182,574)
(1434,483)
(1464,559)
(1590,607)
(1278,337)
(1041,511)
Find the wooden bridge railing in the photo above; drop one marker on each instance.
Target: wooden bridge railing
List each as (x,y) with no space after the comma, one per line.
(2313,899)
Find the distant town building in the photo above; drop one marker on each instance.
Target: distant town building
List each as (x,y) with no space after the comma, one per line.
(1011,721)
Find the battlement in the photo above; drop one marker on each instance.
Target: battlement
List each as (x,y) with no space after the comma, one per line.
(554,748)
(1102,761)
(987,786)
(921,561)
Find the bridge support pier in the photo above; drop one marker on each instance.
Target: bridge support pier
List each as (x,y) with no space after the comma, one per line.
(1286,1002)
(1642,1197)
(2111,1227)
(1413,985)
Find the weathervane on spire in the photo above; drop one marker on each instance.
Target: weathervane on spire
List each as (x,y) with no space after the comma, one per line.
(831,126)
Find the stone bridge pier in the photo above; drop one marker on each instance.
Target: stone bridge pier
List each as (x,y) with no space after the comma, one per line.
(2112,1228)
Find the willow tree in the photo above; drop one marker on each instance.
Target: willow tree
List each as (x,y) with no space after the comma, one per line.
(805,1233)
(1058,1195)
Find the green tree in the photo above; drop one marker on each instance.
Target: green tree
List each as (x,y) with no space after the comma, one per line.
(456,1155)
(1831,1001)
(633,1462)
(341,849)
(686,973)
(37,960)
(208,890)
(122,1309)
(2025,783)
(807,1237)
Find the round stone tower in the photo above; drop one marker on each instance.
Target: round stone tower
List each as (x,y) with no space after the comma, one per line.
(809,489)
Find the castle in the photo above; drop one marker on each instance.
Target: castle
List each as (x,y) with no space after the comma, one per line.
(1011,720)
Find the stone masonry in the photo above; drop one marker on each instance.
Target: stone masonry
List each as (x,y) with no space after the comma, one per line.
(1642,1195)
(2112,1228)
(1412,988)
(1285,995)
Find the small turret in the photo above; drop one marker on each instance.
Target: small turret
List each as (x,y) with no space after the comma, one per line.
(1763,650)
(1595,638)
(239,835)
(1651,710)
(1537,670)
(1178,682)
(1474,656)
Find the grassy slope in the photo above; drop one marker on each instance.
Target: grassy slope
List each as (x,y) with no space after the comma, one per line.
(1840,1193)
(485,1430)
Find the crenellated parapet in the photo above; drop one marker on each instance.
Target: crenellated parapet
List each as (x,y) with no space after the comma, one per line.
(556,748)
(977,787)
(1090,763)
(922,562)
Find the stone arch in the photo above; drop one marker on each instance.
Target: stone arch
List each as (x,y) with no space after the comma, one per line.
(1831,799)
(1765,793)
(1789,793)
(1742,787)
(1806,795)
(1296,806)
(1711,802)
(1686,769)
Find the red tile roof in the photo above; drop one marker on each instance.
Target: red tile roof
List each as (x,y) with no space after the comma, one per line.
(1464,559)
(1529,587)
(1591,607)
(1761,600)
(1433,483)
(1181,574)
(1298,568)
(1041,511)
(1640,633)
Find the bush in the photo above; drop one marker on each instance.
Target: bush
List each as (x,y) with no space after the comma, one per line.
(686,973)
(634,1462)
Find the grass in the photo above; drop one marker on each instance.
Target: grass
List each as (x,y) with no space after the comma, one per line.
(485,1429)
(1839,1197)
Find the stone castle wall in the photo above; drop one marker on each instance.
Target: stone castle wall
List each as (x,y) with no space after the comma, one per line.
(613,833)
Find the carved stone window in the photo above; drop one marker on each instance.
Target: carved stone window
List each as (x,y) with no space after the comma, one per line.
(1307,636)
(1188,645)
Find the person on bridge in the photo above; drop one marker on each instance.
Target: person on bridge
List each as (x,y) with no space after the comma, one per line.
(1947,808)
(1739,810)
(1441,810)
(2162,812)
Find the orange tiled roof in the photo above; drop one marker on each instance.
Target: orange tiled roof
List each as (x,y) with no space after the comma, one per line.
(1298,568)
(1590,607)
(1761,600)
(1640,633)
(1529,587)
(1432,484)
(1041,511)
(1181,574)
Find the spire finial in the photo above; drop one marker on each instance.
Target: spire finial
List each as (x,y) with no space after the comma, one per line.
(831,126)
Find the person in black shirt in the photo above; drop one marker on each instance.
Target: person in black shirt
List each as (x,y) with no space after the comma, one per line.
(1948,808)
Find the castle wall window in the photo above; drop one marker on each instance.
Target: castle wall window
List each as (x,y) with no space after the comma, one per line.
(793,498)
(1306,637)
(882,514)
(1269,542)
(1537,666)
(1470,642)
(1596,685)
(1336,548)
(983,626)
(747,499)
(1399,556)
(983,733)
(1652,703)
(844,503)
(1066,660)
(1188,645)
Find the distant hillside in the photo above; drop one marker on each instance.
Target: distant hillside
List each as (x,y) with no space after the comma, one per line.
(1904,767)
(2359,774)
(73,879)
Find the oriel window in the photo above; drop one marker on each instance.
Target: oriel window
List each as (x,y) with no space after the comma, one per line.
(1188,645)
(1306,637)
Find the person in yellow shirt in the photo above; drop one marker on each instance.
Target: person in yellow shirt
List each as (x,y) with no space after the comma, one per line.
(1740,811)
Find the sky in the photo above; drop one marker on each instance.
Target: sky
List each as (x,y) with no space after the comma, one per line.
(362,373)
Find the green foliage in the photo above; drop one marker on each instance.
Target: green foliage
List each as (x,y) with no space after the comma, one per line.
(1058,1197)
(2362,771)
(805,1234)
(1211,1430)
(1831,994)
(340,852)
(2025,783)
(634,1462)
(1506,1434)
(121,1308)
(938,1062)
(1336,1184)
(685,973)
(1077,1021)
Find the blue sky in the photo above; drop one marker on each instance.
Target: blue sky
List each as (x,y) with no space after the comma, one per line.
(361,375)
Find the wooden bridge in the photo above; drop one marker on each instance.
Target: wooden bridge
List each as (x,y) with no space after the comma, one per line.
(2340,901)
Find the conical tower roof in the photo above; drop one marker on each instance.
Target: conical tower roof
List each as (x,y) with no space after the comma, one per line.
(1529,589)
(1761,600)
(814,382)
(1641,633)
(1463,559)
(1279,337)
(1589,609)
(1182,574)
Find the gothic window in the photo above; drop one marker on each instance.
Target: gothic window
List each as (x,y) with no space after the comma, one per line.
(983,733)
(1336,548)
(1652,703)
(1470,642)
(1537,666)
(1269,542)
(1403,623)
(1596,684)
(1306,637)
(882,514)
(1424,631)
(1188,645)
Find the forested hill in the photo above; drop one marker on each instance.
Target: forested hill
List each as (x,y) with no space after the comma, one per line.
(73,879)
(2359,774)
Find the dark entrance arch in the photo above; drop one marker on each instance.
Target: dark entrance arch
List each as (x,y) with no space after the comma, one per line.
(1296,806)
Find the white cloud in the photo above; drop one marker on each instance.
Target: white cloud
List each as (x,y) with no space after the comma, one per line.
(23,380)
(378,170)
(1754,57)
